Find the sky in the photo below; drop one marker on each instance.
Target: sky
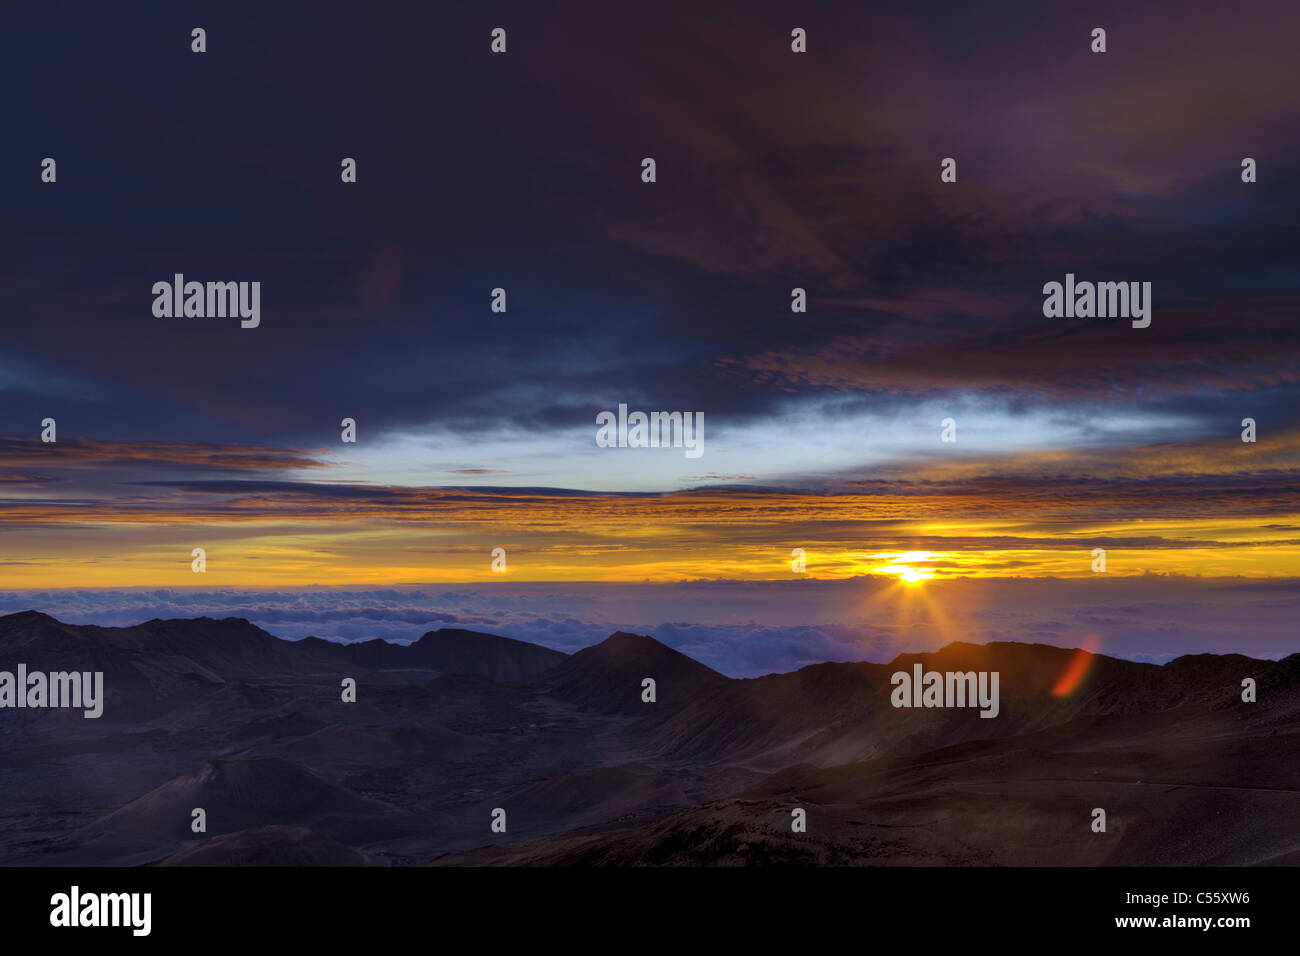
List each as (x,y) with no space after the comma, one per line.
(476,429)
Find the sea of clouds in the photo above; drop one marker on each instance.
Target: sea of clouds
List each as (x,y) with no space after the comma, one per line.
(746,629)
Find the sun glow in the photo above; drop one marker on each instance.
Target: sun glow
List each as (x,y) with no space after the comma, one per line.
(904,565)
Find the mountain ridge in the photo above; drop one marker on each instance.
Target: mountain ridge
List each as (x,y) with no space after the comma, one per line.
(706,772)
(235,648)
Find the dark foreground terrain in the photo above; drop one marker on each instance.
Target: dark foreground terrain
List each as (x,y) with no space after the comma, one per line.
(224,717)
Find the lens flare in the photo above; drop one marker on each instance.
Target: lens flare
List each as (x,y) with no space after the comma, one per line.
(1077,669)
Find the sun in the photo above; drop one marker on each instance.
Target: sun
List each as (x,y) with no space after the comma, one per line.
(904,565)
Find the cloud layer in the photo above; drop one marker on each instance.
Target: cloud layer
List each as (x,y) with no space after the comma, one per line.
(746,629)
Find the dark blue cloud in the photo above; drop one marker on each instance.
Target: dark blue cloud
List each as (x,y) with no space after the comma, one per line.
(521,171)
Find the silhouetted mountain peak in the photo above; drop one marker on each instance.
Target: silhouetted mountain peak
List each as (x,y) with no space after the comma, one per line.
(236,795)
(965,655)
(267,846)
(32,624)
(25,617)
(455,650)
(608,676)
(623,648)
